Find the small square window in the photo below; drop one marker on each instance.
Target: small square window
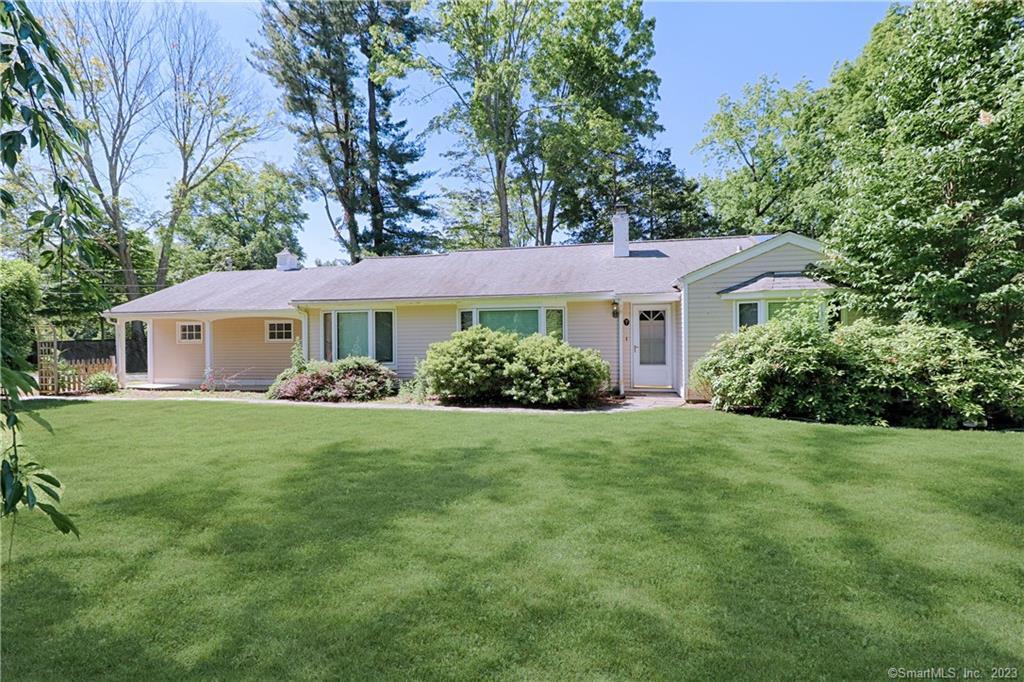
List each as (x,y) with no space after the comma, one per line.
(279,331)
(465,319)
(190,332)
(748,314)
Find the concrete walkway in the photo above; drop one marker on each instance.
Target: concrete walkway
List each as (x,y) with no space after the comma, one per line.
(630,403)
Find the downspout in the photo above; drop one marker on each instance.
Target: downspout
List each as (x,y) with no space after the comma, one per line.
(684,310)
(305,333)
(618,343)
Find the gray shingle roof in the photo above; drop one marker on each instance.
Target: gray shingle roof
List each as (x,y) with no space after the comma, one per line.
(776,281)
(228,291)
(652,267)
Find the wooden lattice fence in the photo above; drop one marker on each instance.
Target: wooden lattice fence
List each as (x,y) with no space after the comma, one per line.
(58,376)
(70,376)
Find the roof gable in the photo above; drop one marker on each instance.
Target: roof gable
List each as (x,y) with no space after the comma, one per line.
(759,249)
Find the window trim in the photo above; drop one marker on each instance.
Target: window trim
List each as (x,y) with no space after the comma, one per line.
(372,332)
(291,331)
(190,323)
(762,307)
(542,322)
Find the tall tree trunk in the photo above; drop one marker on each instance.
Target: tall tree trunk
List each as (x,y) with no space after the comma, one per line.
(376,203)
(538,218)
(501,189)
(348,204)
(167,238)
(549,229)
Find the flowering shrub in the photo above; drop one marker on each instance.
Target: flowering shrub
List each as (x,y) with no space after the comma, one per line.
(910,374)
(349,379)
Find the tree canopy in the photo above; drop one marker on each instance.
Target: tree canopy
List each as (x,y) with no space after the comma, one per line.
(927,128)
(239,220)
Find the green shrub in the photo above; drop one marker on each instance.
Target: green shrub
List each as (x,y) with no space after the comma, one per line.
(548,372)
(416,389)
(470,367)
(936,377)
(867,372)
(101,382)
(349,379)
(19,299)
(298,358)
(482,366)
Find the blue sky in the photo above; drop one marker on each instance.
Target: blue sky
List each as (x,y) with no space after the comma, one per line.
(703,50)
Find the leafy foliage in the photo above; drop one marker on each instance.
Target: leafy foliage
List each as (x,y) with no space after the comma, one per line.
(663,203)
(349,379)
(927,127)
(768,156)
(552,373)
(101,382)
(357,155)
(543,91)
(470,366)
(239,219)
(33,114)
(868,372)
(19,300)
(482,366)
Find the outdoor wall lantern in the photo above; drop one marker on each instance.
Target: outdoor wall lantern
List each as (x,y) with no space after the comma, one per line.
(615,309)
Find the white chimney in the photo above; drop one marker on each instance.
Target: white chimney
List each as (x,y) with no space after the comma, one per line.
(286,260)
(620,232)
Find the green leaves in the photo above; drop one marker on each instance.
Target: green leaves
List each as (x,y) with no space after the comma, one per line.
(927,127)
(764,147)
(33,114)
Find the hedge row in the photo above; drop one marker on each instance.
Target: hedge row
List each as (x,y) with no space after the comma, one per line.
(483,366)
(910,374)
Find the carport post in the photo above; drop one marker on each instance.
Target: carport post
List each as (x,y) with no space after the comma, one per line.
(119,352)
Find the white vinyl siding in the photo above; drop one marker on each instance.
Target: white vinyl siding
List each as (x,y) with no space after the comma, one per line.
(709,315)
(418,326)
(591,325)
(173,361)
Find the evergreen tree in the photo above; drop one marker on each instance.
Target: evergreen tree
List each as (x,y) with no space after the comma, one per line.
(357,156)
(663,203)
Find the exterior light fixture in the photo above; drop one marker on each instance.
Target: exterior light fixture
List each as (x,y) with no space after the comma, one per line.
(615,309)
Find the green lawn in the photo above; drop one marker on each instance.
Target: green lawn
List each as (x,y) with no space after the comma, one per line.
(259,541)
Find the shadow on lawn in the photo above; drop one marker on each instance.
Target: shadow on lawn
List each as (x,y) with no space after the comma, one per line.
(705,553)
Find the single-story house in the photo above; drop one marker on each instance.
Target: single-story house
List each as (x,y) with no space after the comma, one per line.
(650,308)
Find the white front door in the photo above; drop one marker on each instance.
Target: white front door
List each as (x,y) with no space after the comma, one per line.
(652,346)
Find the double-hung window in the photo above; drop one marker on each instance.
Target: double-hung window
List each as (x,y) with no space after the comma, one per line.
(367,333)
(520,321)
(190,332)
